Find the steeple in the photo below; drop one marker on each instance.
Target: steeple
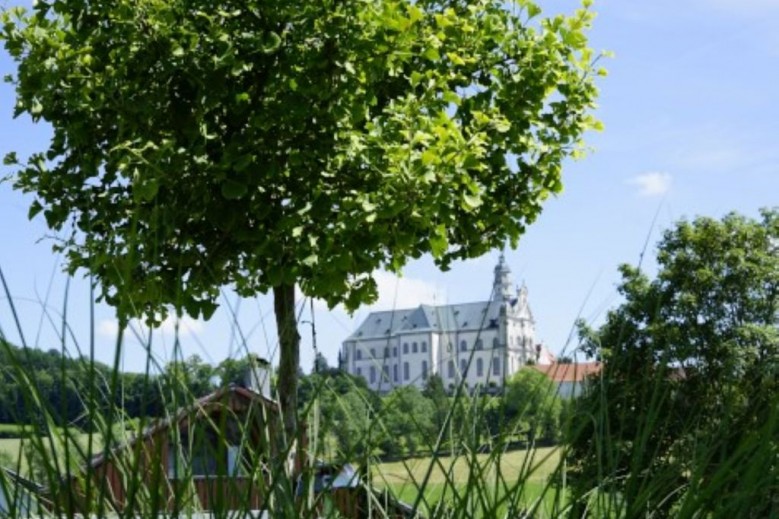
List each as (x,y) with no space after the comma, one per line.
(503,285)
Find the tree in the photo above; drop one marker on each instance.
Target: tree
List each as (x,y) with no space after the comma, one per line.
(531,404)
(435,392)
(233,371)
(267,144)
(407,418)
(186,380)
(688,395)
(320,364)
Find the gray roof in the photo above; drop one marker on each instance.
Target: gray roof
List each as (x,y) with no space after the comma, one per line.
(446,318)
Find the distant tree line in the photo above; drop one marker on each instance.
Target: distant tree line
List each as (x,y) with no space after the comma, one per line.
(352,419)
(38,386)
(355,421)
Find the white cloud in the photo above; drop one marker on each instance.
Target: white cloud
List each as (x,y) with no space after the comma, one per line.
(654,183)
(187,326)
(395,292)
(404,292)
(107,328)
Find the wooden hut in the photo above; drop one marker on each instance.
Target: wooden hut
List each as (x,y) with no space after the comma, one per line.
(213,455)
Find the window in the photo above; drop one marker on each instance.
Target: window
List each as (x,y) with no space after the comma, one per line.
(424,369)
(395,351)
(386,352)
(395,373)
(495,343)
(405,348)
(357,354)
(207,453)
(373,353)
(451,369)
(414,348)
(406,374)
(236,465)
(385,374)
(359,372)
(479,344)
(463,346)
(424,347)
(496,366)
(479,368)
(463,366)
(373,375)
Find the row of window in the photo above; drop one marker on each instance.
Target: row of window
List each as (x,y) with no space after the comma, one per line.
(415,348)
(422,347)
(385,372)
(450,370)
(479,367)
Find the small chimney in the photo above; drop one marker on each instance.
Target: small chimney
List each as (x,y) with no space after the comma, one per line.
(258,375)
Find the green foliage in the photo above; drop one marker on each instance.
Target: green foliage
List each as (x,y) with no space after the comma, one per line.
(233,371)
(531,406)
(407,422)
(435,392)
(62,384)
(688,398)
(183,381)
(345,407)
(288,141)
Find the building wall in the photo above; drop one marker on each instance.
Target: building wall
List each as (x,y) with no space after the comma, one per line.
(483,356)
(410,358)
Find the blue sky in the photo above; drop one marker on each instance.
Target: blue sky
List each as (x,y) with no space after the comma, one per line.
(692,128)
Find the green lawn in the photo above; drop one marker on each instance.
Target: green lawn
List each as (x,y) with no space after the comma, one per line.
(487,481)
(11,449)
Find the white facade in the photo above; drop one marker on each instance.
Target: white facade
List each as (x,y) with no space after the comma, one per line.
(485,342)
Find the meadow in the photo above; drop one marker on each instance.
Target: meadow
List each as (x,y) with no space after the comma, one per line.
(519,477)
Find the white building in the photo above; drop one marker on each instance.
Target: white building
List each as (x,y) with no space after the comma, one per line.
(484,342)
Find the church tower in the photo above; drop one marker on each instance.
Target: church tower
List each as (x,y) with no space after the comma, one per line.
(503,285)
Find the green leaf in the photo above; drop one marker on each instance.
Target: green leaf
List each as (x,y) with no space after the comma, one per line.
(438,241)
(430,157)
(146,190)
(455,58)
(501,125)
(36,109)
(10,159)
(432,54)
(35,208)
(270,42)
(471,202)
(233,190)
(451,97)
(471,161)
(574,39)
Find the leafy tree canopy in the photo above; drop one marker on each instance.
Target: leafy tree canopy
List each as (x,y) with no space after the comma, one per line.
(196,144)
(690,372)
(267,144)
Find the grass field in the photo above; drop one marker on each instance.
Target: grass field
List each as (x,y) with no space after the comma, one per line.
(12,453)
(519,476)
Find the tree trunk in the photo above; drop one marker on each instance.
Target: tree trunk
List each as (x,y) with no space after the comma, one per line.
(289,343)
